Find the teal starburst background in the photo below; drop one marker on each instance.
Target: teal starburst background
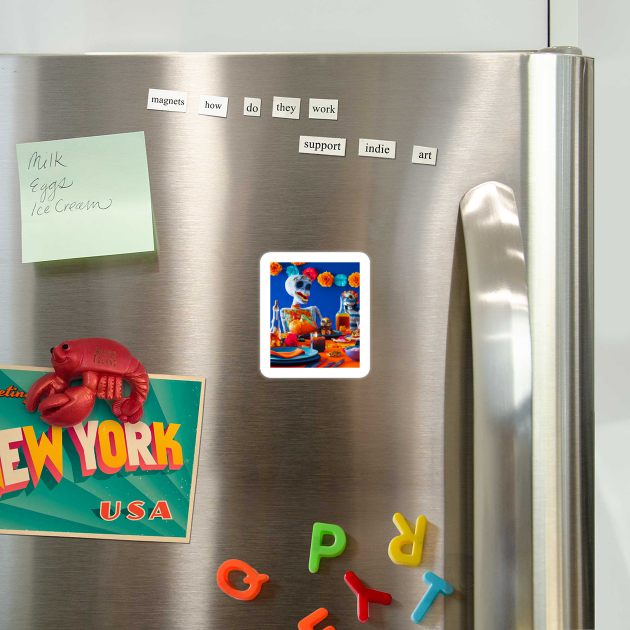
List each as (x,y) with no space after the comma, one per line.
(72,505)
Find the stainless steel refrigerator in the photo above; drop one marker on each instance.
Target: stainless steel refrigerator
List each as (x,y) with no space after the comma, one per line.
(477,411)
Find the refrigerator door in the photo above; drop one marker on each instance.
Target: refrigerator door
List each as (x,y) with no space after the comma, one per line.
(278,455)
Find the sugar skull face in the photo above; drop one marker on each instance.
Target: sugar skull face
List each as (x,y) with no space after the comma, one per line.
(349,298)
(299,287)
(326,323)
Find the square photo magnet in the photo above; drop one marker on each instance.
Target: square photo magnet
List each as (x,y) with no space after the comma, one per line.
(315,315)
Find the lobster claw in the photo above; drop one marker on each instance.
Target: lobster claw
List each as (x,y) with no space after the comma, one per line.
(68,408)
(43,386)
(128,410)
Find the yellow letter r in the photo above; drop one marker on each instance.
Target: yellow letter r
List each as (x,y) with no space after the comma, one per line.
(407,537)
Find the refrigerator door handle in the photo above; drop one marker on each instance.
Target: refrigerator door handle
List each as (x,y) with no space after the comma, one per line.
(502,374)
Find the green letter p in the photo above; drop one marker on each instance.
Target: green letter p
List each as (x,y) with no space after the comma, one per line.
(319,551)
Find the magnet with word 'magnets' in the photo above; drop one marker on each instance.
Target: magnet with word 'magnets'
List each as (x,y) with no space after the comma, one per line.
(309,623)
(407,537)
(319,551)
(252,577)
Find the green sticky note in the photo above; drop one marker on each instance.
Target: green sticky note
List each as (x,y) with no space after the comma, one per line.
(85,197)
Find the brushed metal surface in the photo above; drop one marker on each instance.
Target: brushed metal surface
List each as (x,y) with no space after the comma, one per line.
(502,368)
(560,276)
(275,455)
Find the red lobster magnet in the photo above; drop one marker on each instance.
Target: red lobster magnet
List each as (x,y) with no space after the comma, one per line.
(102,364)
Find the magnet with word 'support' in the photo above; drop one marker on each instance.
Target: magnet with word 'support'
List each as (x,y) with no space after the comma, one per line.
(407,537)
(252,577)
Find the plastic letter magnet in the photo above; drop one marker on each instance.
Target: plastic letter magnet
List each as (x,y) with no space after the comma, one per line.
(252,577)
(436,586)
(365,596)
(308,623)
(407,537)
(319,551)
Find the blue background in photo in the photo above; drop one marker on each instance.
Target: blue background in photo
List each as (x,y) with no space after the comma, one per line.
(327,299)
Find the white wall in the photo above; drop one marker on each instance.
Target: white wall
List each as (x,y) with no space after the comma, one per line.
(604,29)
(270,25)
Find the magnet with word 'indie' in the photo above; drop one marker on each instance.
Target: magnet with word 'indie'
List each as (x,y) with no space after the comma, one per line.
(319,550)
(309,623)
(407,537)
(436,586)
(252,577)
(365,595)
(102,364)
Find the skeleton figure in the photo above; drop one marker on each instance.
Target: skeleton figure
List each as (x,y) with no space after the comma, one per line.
(349,301)
(326,327)
(299,288)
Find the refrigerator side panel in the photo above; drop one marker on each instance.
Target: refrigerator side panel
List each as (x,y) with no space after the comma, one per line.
(559,253)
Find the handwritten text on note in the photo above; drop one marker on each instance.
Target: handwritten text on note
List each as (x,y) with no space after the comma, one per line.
(85,197)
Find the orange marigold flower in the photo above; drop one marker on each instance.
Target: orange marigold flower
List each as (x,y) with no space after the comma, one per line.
(275,268)
(354,279)
(298,263)
(326,279)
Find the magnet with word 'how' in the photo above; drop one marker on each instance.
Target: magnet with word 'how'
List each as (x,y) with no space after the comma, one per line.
(365,595)
(319,550)
(407,537)
(436,586)
(252,577)
(309,623)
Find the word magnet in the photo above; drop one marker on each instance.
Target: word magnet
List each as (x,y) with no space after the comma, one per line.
(424,155)
(365,595)
(319,550)
(322,146)
(377,148)
(323,108)
(407,537)
(251,106)
(213,106)
(285,107)
(252,577)
(167,100)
